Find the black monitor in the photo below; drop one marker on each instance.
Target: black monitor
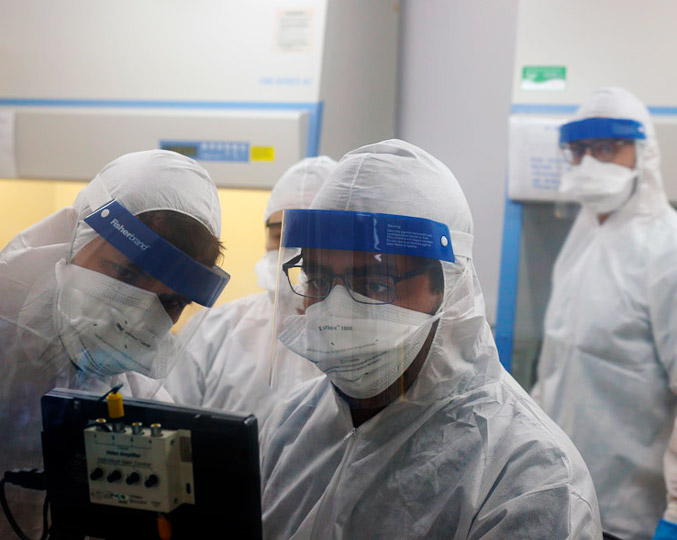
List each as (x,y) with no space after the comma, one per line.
(222,449)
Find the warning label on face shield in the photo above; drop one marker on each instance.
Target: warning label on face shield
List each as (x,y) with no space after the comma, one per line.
(397,237)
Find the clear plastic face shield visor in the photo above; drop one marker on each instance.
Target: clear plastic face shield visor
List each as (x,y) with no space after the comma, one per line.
(367,290)
(121,292)
(601,160)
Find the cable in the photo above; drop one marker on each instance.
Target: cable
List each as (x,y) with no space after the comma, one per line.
(113,390)
(164,527)
(30,479)
(27,478)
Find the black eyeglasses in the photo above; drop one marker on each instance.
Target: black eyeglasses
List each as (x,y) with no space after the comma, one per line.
(372,287)
(604,150)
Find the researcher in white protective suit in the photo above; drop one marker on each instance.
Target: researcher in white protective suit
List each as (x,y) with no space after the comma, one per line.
(415,431)
(90,293)
(607,371)
(227,363)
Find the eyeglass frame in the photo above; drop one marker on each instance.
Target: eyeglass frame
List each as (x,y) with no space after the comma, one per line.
(396,279)
(569,154)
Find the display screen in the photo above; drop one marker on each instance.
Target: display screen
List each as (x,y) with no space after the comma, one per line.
(188,150)
(221,151)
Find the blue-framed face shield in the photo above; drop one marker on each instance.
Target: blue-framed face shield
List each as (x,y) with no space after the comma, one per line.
(151,257)
(123,288)
(366,290)
(602,138)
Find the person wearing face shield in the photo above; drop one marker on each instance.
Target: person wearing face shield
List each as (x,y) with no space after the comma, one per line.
(607,371)
(227,363)
(90,293)
(415,430)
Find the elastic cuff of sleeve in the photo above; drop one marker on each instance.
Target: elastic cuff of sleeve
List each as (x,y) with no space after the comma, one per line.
(665,531)
(670,514)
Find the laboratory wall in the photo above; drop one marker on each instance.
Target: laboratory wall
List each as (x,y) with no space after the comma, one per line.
(247,88)
(455,87)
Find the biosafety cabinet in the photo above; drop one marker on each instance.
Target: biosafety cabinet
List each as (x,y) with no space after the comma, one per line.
(564,52)
(245,87)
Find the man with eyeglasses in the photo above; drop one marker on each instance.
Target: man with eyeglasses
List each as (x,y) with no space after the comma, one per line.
(608,372)
(415,431)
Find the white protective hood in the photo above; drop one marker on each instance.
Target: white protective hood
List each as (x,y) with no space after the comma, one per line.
(227,362)
(608,368)
(465,453)
(298,186)
(141,182)
(373,179)
(32,358)
(614,102)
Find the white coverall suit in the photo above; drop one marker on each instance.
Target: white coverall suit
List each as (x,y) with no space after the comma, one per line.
(607,372)
(464,453)
(227,362)
(32,356)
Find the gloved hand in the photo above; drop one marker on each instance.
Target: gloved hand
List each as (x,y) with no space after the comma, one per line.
(665,531)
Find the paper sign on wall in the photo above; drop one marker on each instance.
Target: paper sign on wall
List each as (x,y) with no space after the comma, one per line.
(7,156)
(294,32)
(535,159)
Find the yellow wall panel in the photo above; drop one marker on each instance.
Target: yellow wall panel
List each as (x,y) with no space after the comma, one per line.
(22,203)
(65,193)
(243,235)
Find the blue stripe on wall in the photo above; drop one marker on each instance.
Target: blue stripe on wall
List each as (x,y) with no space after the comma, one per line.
(545,108)
(529,108)
(315,129)
(507,287)
(667,111)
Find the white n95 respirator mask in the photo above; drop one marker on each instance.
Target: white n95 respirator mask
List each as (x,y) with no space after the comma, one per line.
(601,187)
(362,348)
(266,271)
(109,327)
